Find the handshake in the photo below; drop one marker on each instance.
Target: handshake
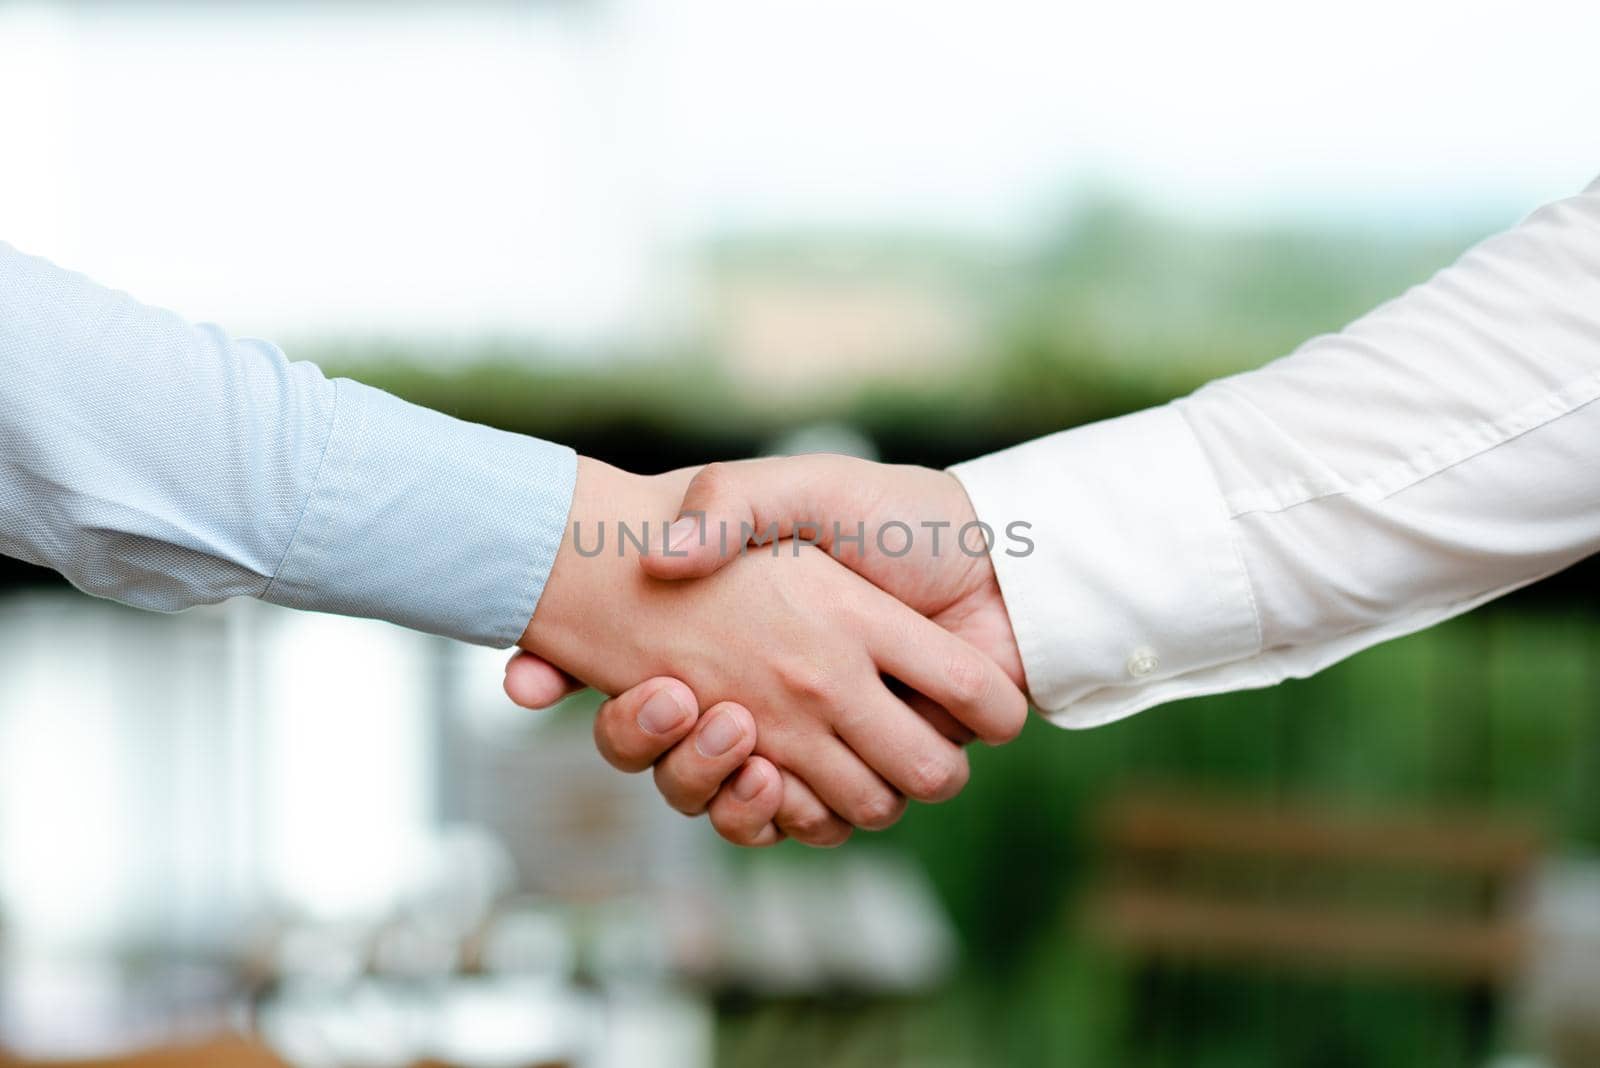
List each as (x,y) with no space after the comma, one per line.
(798,645)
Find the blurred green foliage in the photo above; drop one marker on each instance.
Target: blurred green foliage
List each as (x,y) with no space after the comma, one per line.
(1112,311)
(1499,710)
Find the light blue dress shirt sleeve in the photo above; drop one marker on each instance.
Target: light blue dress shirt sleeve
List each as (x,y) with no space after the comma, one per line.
(164,465)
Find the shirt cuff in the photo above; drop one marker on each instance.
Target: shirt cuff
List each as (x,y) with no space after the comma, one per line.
(1133,593)
(427,521)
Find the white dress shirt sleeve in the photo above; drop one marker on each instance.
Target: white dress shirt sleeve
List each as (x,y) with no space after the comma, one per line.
(1439,452)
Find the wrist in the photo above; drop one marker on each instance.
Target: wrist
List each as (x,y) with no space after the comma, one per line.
(596,569)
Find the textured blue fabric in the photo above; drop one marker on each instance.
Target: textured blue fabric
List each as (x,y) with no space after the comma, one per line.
(165,465)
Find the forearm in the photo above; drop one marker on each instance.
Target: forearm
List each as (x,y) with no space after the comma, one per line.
(166,465)
(1437,453)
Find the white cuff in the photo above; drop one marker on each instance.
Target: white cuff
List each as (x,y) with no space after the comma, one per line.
(1134,593)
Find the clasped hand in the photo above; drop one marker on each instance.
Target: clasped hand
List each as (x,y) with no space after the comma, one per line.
(828,697)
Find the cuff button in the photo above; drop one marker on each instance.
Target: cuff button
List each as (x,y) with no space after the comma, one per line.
(1143,662)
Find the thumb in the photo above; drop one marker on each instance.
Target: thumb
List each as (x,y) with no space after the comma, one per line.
(534,683)
(729,507)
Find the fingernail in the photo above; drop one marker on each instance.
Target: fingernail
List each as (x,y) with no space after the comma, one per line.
(719,736)
(661,713)
(749,783)
(681,532)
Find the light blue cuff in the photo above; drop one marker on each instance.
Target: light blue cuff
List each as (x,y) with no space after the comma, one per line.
(427,521)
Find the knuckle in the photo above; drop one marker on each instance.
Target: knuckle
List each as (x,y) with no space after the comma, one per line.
(683,797)
(734,831)
(612,739)
(937,778)
(838,839)
(815,685)
(879,810)
(810,824)
(968,681)
(711,480)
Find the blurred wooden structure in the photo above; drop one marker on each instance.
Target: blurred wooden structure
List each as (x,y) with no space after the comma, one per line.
(219,1053)
(1433,897)
(229,1052)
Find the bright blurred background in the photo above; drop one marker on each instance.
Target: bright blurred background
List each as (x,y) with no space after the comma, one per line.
(665,231)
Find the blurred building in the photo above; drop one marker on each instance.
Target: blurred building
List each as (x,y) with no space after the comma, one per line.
(798,321)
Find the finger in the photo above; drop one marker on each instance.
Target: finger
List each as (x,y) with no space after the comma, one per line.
(946,670)
(535,683)
(729,505)
(633,730)
(839,777)
(743,811)
(942,721)
(694,770)
(803,817)
(903,747)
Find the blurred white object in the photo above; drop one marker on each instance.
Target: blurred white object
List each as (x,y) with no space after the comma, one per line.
(662,1028)
(632,947)
(825,437)
(1562,997)
(416,948)
(511,1023)
(321,956)
(463,872)
(530,941)
(867,921)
